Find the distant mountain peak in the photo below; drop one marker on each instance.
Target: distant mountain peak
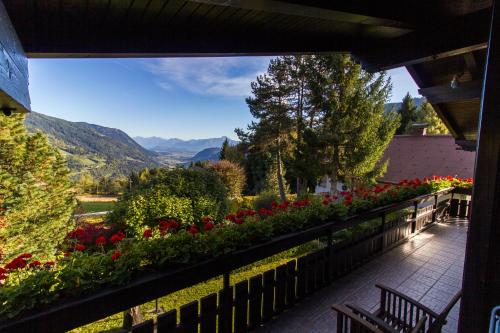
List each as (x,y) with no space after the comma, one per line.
(163,145)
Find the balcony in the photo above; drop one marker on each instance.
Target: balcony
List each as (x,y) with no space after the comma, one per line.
(428,268)
(397,246)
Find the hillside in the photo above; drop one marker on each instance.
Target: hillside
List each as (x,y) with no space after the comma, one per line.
(209,154)
(162,145)
(102,151)
(418,101)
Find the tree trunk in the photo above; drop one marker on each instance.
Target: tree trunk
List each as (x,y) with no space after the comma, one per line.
(281,186)
(131,317)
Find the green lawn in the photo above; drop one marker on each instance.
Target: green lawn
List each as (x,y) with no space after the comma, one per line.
(181,297)
(94,206)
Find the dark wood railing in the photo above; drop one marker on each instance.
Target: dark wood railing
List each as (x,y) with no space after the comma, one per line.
(251,302)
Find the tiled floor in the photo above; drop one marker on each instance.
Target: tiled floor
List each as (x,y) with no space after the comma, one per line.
(428,268)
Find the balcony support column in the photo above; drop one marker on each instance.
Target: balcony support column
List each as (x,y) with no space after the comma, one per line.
(481,284)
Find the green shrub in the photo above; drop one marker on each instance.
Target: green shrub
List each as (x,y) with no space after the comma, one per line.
(231,174)
(185,195)
(265,200)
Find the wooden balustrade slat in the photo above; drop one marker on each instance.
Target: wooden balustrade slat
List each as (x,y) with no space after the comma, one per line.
(280,295)
(167,322)
(241,307)
(208,314)
(255,301)
(189,317)
(268,295)
(290,283)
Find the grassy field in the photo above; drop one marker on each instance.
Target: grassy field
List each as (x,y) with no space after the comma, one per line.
(174,301)
(95,206)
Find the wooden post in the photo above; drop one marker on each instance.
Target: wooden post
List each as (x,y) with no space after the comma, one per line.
(481,285)
(226,306)
(382,231)
(414,217)
(434,208)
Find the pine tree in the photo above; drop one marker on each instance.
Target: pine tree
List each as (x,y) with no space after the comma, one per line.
(429,116)
(269,105)
(409,114)
(36,198)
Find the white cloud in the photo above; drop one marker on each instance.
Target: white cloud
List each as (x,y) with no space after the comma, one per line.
(208,76)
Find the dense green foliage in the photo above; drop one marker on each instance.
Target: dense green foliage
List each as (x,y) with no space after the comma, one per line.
(96,150)
(185,195)
(36,200)
(316,115)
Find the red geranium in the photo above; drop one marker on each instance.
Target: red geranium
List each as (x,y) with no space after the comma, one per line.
(167,225)
(35,263)
(16,264)
(80,247)
(208,226)
(101,240)
(118,237)
(117,254)
(49,264)
(265,212)
(147,233)
(193,229)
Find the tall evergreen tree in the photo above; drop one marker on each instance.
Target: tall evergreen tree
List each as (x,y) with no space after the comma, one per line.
(223,150)
(36,198)
(429,116)
(269,104)
(409,114)
(355,130)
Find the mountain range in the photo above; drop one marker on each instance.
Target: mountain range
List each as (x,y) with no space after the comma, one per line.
(162,145)
(104,151)
(417,101)
(99,150)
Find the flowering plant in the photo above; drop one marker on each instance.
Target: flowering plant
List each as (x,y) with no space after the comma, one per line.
(97,256)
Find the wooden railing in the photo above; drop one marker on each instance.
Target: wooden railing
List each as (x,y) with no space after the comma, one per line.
(251,302)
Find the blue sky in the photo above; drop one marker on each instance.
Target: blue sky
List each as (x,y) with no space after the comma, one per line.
(172,97)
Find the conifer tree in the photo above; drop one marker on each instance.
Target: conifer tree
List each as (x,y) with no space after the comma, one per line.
(223,150)
(355,130)
(269,105)
(408,113)
(429,116)
(36,198)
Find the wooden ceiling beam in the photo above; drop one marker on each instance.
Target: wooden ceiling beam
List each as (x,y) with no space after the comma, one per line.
(446,94)
(359,12)
(449,38)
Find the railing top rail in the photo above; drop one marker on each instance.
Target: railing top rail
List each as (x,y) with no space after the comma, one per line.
(73,313)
